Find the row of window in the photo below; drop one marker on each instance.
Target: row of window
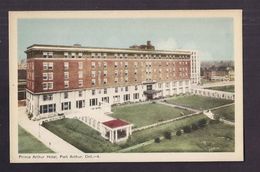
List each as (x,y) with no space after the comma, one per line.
(116,55)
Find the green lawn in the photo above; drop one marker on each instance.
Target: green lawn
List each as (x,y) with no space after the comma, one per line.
(27,143)
(151,133)
(213,138)
(226,112)
(80,135)
(146,114)
(198,102)
(228,88)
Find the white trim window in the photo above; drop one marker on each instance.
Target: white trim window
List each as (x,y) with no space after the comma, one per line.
(45,65)
(66,54)
(50,75)
(105,81)
(47,108)
(80,55)
(50,66)
(66,106)
(80,104)
(80,83)
(93,74)
(47,97)
(105,65)
(80,73)
(93,82)
(93,64)
(44,86)
(105,73)
(66,84)
(50,85)
(136,96)
(73,55)
(80,64)
(66,65)
(66,75)
(93,102)
(45,76)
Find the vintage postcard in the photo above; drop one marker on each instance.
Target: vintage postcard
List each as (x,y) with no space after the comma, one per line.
(126,86)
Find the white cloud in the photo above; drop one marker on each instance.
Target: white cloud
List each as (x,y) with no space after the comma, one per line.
(168,44)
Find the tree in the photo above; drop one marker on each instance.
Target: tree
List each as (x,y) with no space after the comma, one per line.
(186,129)
(202,123)
(194,126)
(157,140)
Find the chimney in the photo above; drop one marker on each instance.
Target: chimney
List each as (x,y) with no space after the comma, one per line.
(148,43)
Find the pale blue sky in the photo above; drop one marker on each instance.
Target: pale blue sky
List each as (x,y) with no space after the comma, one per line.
(212,37)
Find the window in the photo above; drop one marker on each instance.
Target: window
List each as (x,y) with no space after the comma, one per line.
(105,90)
(50,85)
(135,64)
(136,96)
(66,65)
(105,73)
(47,108)
(66,75)
(47,85)
(66,95)
(45,76)
(93,74)
(93,102)
(50,75)
(126,64)
(93,64)
(93,82)
(80,64)
(47,54)
(126,97)
(126,88)
(105,65)
(116,90)
(80,73)
(93,92)
(50,66)
(66,106)
(136,88)
(80,55)
(80,104)
(80,83)
(116,99)
(116,64)
(66,54)
(73,55)
(47,97)
(45,66)
(66,84)
(105,99)
(116,80)
(105,81)
(116,73)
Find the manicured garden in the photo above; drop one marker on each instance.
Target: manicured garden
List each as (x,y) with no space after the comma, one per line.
(146,114)
(198,102)
(226,112)
(215,137)
(80,135)
(27,143)
(151,133)
(228,88)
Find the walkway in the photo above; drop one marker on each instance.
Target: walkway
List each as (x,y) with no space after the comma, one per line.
(178,106)
(49,139)
(216,84)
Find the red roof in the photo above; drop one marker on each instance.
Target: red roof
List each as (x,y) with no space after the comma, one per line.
(115,123)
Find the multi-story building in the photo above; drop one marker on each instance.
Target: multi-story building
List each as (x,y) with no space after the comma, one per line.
(69,79)
(195,68)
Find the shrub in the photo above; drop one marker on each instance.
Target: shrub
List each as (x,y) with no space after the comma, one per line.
(213,121)
(157,140)
(194,126)
(178,133)
(168,135)
(186,129)
(202,123)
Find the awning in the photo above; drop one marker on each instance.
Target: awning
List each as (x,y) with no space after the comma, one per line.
(152,91)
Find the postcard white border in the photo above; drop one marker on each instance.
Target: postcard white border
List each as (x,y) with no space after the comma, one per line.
(238,155)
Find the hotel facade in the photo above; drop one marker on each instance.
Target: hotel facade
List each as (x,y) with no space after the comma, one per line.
(69,80)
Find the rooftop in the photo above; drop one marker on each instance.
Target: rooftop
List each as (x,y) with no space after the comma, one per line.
(115,123)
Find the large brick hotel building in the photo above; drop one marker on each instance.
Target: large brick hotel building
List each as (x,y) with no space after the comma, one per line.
(72,79)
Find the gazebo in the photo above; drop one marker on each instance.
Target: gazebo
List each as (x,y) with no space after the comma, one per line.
(116,130)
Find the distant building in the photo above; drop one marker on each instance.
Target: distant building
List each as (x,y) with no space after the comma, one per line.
(219,73)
